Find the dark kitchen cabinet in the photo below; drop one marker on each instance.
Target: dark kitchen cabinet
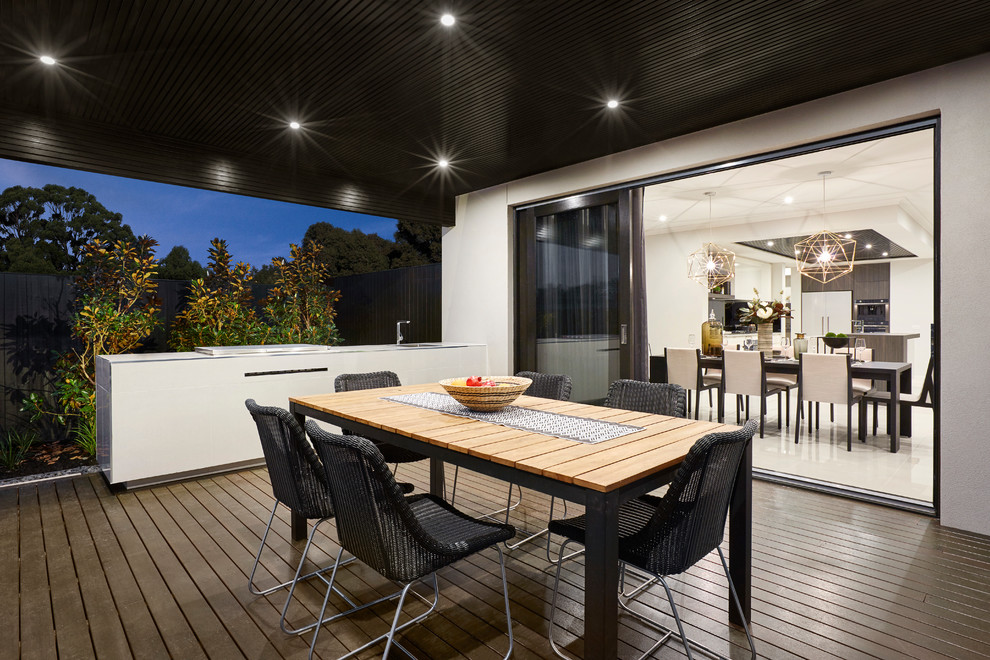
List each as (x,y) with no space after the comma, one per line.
(866,281)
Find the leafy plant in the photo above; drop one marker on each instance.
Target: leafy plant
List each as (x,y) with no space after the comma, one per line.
(219,311)
(764,311)
(14,446)
(84,434)
(117,308)
(301,306)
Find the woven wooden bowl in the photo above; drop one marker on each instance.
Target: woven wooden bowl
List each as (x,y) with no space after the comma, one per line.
(487,399)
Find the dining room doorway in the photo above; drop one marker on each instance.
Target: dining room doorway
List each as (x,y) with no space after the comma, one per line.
(879,189)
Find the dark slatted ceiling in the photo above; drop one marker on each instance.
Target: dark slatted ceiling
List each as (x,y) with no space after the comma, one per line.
(165,90)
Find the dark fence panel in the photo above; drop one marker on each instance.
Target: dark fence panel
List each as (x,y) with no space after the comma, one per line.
(35,312)
(372,303)
(34,329)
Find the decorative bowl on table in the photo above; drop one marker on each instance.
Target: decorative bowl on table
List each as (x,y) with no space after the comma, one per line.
(836,342)
(486,398)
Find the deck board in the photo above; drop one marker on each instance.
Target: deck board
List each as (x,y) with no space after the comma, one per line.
(162,572)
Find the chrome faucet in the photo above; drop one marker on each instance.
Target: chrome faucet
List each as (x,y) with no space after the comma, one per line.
(398,331)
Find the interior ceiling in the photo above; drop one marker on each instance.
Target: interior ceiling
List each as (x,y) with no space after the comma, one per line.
(200,93)
(881,191)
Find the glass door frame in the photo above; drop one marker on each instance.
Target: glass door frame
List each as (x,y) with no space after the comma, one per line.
(631,303)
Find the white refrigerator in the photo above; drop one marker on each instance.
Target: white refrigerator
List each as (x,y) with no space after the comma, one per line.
(826,311)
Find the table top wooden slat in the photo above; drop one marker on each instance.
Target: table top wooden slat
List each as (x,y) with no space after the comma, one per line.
(603,466)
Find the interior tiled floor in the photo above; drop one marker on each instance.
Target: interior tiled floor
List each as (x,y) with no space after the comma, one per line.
(823,456)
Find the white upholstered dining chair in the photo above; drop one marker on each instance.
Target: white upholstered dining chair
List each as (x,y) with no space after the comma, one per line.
(824,378)
(684,369)
(744,374)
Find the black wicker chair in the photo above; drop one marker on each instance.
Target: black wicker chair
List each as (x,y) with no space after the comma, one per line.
(373,380)
(655,398)
(403,538)
(666,535)
(298,482)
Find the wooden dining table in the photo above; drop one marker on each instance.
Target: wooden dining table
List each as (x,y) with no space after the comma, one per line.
(600,476)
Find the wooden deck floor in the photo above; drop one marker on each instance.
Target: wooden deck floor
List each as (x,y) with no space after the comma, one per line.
(162,572)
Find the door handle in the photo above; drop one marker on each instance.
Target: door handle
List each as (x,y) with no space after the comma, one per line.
(623,334)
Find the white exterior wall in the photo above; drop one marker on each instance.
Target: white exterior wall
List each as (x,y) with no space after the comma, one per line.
(481,311)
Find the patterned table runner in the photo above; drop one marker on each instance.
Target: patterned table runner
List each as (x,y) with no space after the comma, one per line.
(569,427)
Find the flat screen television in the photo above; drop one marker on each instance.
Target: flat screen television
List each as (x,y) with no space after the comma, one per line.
(732,310)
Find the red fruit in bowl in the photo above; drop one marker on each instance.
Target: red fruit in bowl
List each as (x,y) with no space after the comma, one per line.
(473,381)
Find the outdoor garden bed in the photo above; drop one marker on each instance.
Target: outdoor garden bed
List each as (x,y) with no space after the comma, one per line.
(48,457)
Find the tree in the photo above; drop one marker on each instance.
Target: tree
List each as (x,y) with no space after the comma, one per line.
(178,265)
(44,230)
(348,252)
(301,306)
(267,274)
(220,309)
(416,244)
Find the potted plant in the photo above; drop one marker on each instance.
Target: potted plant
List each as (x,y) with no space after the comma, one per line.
(763,313)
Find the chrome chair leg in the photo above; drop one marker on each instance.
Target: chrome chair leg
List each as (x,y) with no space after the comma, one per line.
(319,573)
(297,577)
(688,643)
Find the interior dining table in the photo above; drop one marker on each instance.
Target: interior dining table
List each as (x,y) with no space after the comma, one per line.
(600,475)
(895,375)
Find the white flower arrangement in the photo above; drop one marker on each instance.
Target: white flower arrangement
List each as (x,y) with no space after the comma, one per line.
(763,311)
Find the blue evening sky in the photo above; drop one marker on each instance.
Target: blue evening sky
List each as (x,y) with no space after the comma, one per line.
(255,229)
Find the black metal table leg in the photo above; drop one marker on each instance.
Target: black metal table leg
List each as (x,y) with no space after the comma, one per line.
(437,478)
(741,536)
(601,577)
(299,528)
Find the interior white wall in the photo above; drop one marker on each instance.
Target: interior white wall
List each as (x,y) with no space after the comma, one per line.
(958,92)
(912,308)
(674,313)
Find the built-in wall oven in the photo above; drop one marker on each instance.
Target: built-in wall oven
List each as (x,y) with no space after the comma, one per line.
(874,314)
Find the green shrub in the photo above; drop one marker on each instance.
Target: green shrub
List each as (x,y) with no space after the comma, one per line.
(219,310)
(14,446)
(300,307)
(117,309)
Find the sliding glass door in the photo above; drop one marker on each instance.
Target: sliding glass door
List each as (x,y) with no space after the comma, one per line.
(573,311)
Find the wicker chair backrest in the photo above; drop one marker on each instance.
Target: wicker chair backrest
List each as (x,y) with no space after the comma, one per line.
(548,386)
(366,381)
(689,521)
(374,521)
(656,398)
(297,476)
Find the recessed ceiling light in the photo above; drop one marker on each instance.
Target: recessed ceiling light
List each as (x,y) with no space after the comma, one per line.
(663,218)
(447,20)
(48,59)
(442,163)
(788,200)
(869,246)
(612,103)
(769,243)
(885,254)
(294,125)
(849,235)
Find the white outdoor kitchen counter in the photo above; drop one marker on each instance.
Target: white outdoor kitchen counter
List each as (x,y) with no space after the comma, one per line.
(167,416)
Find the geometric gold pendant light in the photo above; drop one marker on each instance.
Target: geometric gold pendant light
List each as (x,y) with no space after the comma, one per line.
(825,256)
(711,265)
